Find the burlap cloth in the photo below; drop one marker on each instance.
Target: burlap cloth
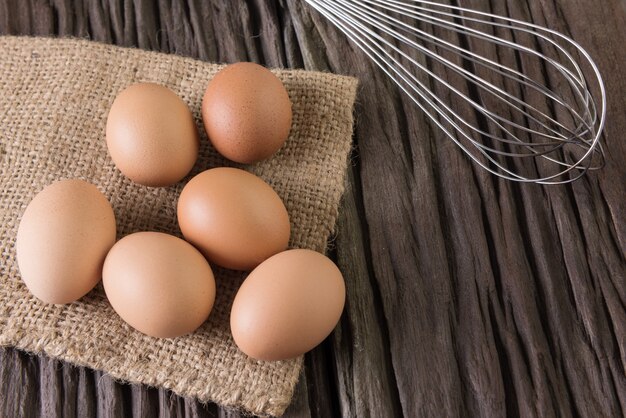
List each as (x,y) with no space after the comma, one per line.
(54,99)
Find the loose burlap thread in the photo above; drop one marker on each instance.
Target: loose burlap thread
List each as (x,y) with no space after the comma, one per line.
(54,98)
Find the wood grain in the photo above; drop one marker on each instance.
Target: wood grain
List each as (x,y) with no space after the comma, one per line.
(467,295)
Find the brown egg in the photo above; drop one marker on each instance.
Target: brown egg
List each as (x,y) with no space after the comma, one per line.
(246,112)
(235,218)
(151,135)
(159,284)
(287,305)
(63,238)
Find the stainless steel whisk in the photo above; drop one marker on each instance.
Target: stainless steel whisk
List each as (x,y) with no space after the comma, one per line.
(540,122)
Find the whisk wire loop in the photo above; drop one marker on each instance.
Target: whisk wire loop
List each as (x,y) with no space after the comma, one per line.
(561,127)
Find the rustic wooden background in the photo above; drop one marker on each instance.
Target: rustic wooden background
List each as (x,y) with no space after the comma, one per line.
(467,295)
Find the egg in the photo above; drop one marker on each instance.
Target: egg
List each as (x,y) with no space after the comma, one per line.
(287,305)
(151,135)
(235,218)
(159,284)
(246,112)
(62,240)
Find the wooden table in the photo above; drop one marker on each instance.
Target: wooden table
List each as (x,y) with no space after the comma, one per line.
(467,295)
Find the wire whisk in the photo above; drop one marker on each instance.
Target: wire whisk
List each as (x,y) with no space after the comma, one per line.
(538,120)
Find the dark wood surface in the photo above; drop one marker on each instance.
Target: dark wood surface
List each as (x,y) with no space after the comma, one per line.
(467,295)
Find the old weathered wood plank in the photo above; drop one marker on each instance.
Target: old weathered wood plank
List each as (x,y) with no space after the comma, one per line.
(366,383)
(467,295)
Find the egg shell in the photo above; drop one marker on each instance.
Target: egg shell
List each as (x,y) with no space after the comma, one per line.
(62,240)
(246,112)
(151,135)
(159,284)
(287,305)
(234,217)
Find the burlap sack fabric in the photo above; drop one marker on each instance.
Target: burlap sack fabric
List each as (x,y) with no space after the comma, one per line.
(54,99)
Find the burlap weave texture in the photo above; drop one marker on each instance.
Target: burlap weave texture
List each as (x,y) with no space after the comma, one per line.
(54,99)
